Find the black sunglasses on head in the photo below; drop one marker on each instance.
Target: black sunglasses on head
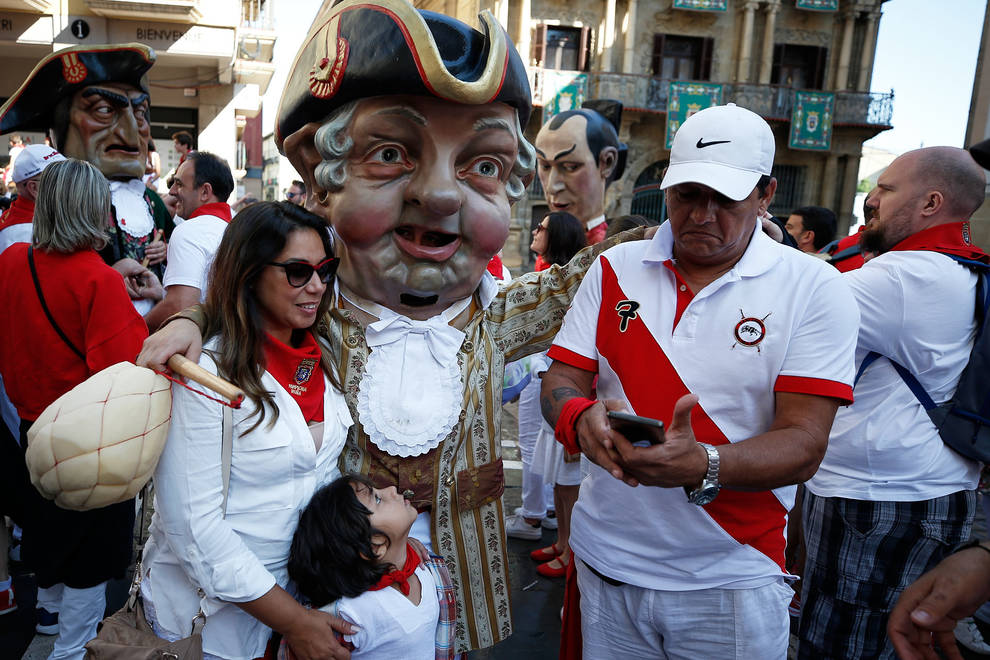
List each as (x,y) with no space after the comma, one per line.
(298,273)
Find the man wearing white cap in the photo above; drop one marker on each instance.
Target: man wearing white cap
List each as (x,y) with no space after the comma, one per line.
(15,224)
(743,348)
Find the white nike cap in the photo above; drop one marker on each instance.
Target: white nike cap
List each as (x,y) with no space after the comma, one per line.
(33,161)
(724,147)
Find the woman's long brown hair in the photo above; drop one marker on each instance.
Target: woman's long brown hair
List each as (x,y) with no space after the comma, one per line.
(254,238)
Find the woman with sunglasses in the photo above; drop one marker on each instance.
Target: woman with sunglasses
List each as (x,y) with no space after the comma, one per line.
(268,286)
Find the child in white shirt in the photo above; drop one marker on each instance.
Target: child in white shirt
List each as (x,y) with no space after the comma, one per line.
(350,556)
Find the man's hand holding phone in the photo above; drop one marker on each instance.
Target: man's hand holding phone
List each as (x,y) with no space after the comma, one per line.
(676,460)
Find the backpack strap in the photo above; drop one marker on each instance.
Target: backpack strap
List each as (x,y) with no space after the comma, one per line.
(982,309)
(44,306)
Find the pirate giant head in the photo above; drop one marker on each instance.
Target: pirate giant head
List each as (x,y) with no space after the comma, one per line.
(579,155)
(406,125)
(94,100)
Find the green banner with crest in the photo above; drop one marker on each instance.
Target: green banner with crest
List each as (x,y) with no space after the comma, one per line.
(818,5)
(811,121)
(702,5)
(563,91)
(687,98)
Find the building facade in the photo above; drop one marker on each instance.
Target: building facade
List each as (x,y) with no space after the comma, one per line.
(978,126)
(214,63)
(758,53)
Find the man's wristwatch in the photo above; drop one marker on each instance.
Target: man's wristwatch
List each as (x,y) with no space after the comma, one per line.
(709,488)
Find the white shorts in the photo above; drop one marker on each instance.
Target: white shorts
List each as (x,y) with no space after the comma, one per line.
(634,622)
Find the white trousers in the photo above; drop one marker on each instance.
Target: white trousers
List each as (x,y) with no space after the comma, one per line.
(536,498)
(79,611)
(633,622)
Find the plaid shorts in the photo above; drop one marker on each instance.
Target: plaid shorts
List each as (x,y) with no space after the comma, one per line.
(860,557)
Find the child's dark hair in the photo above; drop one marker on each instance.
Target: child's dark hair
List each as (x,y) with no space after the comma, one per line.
(332,554)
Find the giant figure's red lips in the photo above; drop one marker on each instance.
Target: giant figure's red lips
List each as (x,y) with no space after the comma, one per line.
(423,243)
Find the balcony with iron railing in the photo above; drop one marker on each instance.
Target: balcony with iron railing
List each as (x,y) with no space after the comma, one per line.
(871,109)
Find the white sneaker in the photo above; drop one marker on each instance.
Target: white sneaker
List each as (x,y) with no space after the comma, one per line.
(968,634)
(517,527)
(549,522)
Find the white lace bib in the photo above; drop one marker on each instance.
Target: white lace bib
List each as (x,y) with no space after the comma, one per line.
(411,394)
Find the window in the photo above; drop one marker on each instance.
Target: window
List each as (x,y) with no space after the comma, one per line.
(561,47)
(790,187)
(647,198)
(800,67)
(676,57)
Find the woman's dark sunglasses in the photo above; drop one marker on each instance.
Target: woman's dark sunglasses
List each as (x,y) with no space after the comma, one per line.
(298,273)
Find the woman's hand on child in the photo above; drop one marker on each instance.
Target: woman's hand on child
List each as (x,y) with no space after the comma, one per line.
(312,636)
(420,549)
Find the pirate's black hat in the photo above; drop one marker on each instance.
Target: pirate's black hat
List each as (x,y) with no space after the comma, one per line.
(66,71)
(362,48)
(981,153)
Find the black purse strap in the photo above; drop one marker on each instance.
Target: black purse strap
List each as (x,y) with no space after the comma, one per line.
(44,306)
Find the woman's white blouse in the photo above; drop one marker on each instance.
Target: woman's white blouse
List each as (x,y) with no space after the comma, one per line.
(240,557)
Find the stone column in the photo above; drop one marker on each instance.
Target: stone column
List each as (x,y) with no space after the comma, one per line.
(827,198)
(844,212)
(502,13)
(766,58)
(869,50)
(522,38)
(745,42)
(845,54)
(609,36)
(629,54)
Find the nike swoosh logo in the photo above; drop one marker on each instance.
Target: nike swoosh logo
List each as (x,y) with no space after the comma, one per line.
(702,145)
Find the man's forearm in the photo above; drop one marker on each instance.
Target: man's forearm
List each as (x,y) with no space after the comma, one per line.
(561,383)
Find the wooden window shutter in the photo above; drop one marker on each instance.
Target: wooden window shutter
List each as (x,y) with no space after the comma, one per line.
(778,60)
(657,61)
(584,52)
(818,79)
(704,71)
(538,49)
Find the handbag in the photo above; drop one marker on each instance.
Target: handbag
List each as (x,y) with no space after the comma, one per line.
(126,634)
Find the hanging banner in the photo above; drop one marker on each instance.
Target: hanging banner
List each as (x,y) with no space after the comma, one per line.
(811,121)
(818,5)
(563,91)
(702,5)
(687,98)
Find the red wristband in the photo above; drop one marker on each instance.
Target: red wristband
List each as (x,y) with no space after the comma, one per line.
(566,430)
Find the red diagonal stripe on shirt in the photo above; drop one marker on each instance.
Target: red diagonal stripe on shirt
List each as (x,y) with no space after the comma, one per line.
(653,386)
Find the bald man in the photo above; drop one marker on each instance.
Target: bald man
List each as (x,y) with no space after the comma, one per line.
(890,498)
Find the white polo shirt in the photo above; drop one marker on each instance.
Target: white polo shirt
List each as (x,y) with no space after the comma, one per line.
(916,308)
(192,248)
(778,321)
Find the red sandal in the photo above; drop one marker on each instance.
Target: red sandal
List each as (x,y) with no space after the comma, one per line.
(548,553)
(550,571)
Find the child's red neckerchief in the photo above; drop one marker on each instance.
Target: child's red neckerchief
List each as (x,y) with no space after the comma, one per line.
(400,576)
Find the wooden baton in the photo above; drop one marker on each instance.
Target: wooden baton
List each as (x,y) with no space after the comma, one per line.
(184,367)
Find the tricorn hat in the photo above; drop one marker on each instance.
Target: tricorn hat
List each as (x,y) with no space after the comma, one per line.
(363,48)
(64,72)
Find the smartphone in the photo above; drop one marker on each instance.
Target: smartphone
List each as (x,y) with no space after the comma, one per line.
(640,431)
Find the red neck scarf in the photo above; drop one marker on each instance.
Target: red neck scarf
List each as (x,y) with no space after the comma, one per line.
(20,212)
(217,209)
(298,371)
(540,264)
(951,238)
(495,267)
(400,576)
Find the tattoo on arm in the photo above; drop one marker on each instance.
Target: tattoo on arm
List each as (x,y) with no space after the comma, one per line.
(561,394)
(546,408)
